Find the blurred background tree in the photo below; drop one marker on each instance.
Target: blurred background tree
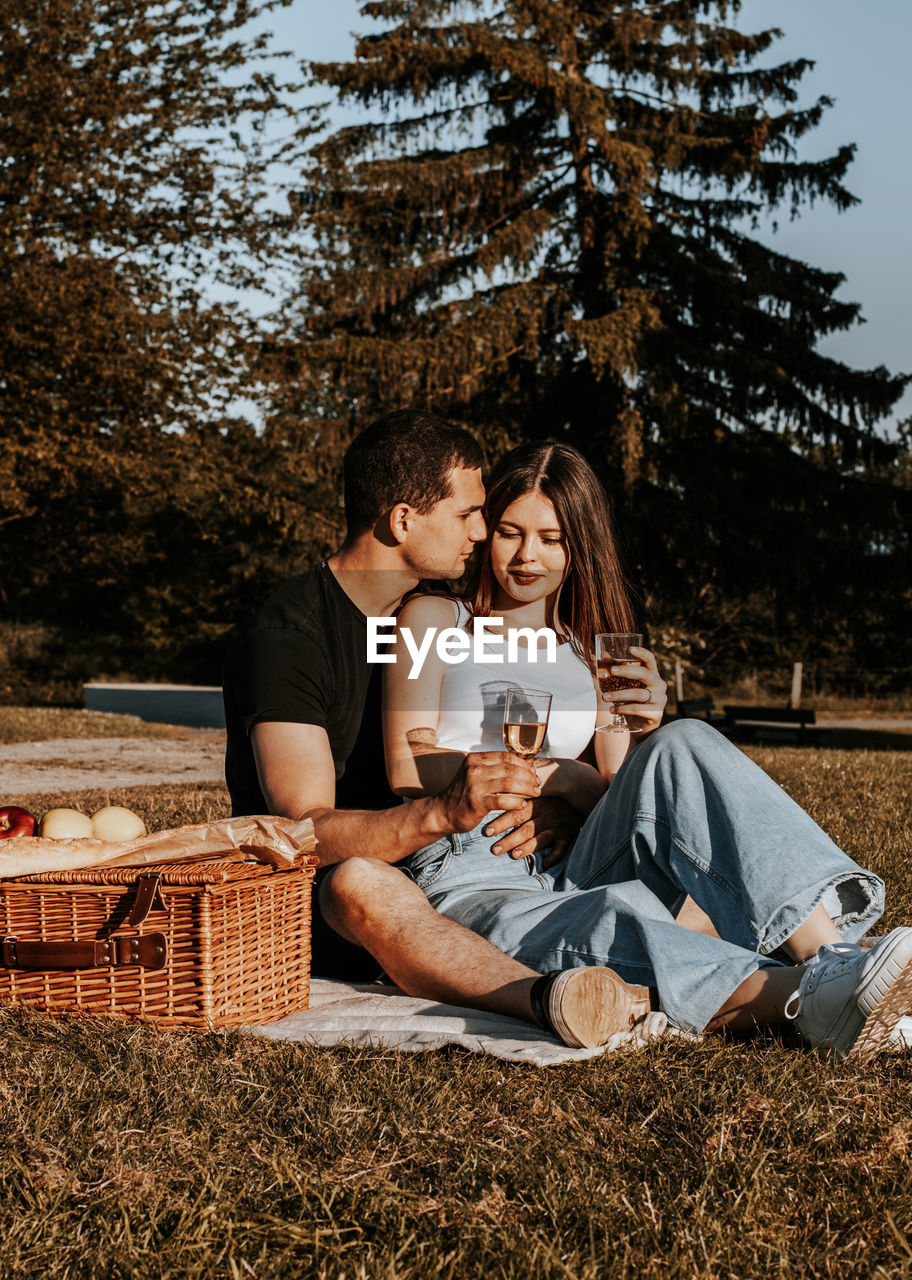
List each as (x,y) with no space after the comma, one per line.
(548,225)
(139,145)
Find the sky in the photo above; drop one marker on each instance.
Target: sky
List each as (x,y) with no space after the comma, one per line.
(861,60)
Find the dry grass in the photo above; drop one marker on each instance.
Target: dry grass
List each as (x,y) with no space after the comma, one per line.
(43,724)
(863,800)
(161,808)
(131,1153)
(126,1152)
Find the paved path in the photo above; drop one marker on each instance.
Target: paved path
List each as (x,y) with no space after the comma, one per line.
(892,726)
(74,764)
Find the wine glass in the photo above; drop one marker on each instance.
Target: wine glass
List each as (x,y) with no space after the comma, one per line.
(612,649)
(525,722)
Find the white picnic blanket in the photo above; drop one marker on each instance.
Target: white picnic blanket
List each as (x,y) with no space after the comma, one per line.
(385,1017)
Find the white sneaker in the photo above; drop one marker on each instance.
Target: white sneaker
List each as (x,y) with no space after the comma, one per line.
(850,1000)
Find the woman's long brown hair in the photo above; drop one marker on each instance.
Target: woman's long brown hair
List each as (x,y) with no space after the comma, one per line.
(595,596)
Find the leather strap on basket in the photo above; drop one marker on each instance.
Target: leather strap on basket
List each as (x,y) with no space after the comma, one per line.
(147,952)
(148,898)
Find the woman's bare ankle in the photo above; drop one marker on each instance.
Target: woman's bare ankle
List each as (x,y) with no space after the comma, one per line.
(816,932)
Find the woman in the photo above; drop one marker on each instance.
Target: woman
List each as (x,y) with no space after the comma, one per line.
(685,813)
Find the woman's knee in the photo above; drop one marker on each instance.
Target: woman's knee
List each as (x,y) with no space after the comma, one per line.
(685,749)
(689,730)
(693,736)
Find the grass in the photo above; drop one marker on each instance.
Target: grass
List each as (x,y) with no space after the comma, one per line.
(161,808)
(43,724)
(764,690)
(127,1152)
(131,1153)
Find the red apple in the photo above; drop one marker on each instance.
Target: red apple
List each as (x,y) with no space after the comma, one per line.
(16,822)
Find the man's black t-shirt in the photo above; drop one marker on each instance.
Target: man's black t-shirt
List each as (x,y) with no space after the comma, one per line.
(303,660)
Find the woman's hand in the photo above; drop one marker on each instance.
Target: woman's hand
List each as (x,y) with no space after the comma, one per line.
(552,824)
(643,706)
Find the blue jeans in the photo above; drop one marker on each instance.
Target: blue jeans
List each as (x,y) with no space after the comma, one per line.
(688,813)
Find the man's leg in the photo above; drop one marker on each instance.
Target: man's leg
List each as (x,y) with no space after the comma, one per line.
(378,908)
(690,916)
(375,906)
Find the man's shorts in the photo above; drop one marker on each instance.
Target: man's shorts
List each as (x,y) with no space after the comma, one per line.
(331,955)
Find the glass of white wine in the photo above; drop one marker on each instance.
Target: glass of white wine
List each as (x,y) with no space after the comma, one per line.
(612,649)
(525,723)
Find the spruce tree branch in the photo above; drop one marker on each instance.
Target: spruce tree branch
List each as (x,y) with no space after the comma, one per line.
(531,201)
(473,373)
(671,104)
(412,122)
(18,515)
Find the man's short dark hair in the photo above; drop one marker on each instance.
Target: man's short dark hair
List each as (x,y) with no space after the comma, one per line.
(405,456)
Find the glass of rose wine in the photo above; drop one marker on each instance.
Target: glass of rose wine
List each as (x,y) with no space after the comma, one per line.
(612,649)
(525,723)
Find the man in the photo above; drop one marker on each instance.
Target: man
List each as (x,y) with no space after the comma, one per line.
(304,740)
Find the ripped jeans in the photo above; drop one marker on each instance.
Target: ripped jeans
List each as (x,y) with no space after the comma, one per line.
(688,813)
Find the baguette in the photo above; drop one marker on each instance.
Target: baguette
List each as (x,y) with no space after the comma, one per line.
(278,842)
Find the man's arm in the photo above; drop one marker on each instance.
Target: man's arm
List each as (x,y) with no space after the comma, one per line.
(295,767)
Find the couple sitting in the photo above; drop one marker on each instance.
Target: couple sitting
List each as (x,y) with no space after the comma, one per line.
(552,893)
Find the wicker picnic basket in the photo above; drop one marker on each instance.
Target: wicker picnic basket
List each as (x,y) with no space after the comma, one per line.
(221,942)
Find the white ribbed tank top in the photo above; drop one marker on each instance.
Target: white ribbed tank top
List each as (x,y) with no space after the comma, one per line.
(472,697)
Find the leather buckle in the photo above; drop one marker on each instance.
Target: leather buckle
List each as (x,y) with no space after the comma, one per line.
(148,898)
(144,951)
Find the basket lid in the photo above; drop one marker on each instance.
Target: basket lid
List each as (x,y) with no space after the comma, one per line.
(210,871)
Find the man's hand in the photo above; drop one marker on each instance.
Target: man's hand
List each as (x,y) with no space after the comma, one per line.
(488,780)
(547,821)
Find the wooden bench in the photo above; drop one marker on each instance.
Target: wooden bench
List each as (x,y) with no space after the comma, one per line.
(696,708)
(754,720)
(702,709)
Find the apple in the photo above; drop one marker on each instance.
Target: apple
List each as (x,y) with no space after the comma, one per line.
(117,824)
(65,824)
(16,822)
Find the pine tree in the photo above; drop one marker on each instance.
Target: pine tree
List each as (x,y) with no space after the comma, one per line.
(548,225)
